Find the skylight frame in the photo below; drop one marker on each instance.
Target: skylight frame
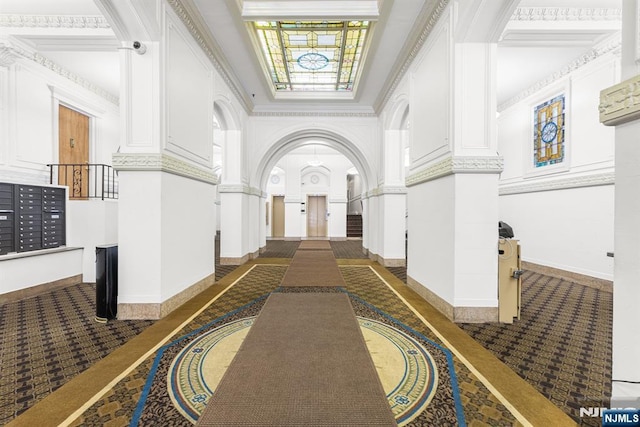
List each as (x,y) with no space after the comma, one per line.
(329,69)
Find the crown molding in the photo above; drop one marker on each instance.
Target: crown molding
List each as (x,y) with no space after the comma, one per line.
(409,52)
(311,114)
(10,53)
(583,60)
(161,162)
(620,103)
(607,178)
(54,21)
(565,14)
(187,13)
(455,165)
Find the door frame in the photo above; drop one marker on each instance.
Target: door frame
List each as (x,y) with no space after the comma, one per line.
(69,100)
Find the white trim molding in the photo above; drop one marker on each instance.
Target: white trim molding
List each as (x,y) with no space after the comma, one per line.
(184,10)
(566,14)
(161,162)
(558,75)
(398,73)
(241,188)
(594,180)
(620,103)
(53,21)
(386,189)
(455,165)
(9,53)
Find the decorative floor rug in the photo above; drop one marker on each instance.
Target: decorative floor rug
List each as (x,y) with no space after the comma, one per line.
(416,373)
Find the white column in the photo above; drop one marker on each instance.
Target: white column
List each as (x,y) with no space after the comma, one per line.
(166,215)
(453,181)
(392,201)
(234,224)
(620,108)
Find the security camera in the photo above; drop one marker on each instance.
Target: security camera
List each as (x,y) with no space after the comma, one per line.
(136,46)
(139,48)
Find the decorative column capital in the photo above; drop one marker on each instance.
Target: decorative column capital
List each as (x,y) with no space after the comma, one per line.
(8,55)
(161,162)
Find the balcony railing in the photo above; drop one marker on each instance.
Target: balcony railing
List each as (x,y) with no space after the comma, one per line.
(85,181)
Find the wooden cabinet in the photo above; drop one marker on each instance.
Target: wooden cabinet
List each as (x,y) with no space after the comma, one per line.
(509,280)
(31,217)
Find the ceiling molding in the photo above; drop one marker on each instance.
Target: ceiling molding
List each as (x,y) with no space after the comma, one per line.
(409,52)
(53,21)
(565,14)
(187,12)
(583,60)
(85,43)
(311,114)
(253,10)
(10,53)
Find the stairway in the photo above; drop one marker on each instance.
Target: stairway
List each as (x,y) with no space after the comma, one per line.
(354,226)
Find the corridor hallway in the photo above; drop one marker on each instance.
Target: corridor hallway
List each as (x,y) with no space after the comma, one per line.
(120,388)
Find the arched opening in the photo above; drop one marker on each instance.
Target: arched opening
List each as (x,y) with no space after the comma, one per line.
(317,163)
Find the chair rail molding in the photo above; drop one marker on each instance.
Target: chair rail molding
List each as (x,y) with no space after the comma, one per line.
(161,162)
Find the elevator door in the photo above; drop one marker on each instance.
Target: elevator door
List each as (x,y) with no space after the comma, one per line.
(277,218)
(317,216)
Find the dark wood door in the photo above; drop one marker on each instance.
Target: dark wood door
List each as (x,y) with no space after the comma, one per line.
(73,151)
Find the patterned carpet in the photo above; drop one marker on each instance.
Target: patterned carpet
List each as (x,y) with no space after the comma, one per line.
(118,406)
(48,339)
(561,345)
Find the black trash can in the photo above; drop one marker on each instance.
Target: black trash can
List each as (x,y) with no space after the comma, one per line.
(106,282)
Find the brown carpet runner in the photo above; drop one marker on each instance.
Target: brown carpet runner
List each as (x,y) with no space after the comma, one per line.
(313,268)
(315,245)
(304,362)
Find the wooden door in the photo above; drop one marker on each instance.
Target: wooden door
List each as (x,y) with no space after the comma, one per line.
(73,152)
(317,216)
(277,217)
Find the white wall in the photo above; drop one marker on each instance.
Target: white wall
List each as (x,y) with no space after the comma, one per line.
(563,217)
(431,247)
(91,223)
(30,95)
(20,272)
(567,229)
(296,182)
(188,231)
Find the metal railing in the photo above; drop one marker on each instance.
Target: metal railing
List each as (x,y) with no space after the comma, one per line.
(85,181)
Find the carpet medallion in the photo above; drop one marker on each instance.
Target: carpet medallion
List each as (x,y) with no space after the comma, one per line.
(188,369)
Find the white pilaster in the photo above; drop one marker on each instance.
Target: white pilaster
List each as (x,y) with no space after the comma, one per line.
(453,179)
(620,107)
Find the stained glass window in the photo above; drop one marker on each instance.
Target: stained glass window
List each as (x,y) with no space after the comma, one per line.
(549,132)
(312,55)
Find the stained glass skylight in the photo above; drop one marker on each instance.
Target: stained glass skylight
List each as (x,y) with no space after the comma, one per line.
(312,55)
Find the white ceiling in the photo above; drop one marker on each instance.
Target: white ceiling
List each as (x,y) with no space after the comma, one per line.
(527,51)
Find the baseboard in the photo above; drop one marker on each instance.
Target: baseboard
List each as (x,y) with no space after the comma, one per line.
(570,276)
(455,314)
(234,260)
(392,262)
(36,290)
(138,311)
